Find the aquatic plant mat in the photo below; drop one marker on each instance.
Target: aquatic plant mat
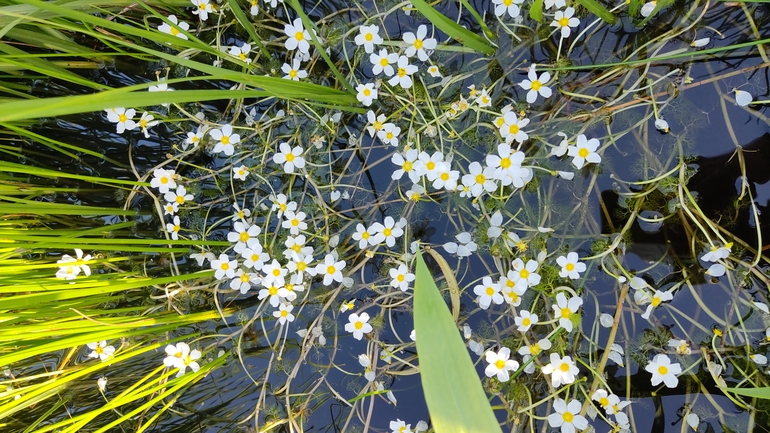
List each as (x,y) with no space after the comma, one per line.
(289,216)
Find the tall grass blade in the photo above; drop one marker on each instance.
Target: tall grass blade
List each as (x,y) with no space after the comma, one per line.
(456,400)
(454,30)
(599,10)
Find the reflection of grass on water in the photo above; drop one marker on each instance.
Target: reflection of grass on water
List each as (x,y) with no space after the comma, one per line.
(146,292)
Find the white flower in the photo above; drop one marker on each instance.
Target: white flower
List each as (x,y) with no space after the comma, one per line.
(194,137)
(647,8)
(399,426)
(284,314)
(389,134)
(483,100)
(510,6)
(487,293)
(562,370)
(551,3)
(447,178)
(536,85)
(511,128)
(742,98)
(273,292)
(693,420)
(146,122)
(567,416)
(70,266)
(381,62)
(376,123)
(401,277)
(202,8)
(388,231)
(406,162)
(179,196)
(242,281)
(369,37)
(366,93)
(163,180)
(465,247)
(606,320)
(584,151)
(500,364)
(565,20)
(657,299)
(293,72)
(358,325)
(418,44)
(759,359)
(224,267)
(122,118)
(173,30)
(241,172)
(682,346)
(331,269)
(661,125)
(254,10)
(294,222)
(718,253)
(716,270)
(495,222)
(434,72)
(403,74)
(226,139)
(479,180)
(298,37)
(525,320)
(241,52)
(429,165)
(564,309)
(100,350)
(525,274)
(570,266)
(244,236)
(174,228)
(289,157)
(102,383)
(663,371)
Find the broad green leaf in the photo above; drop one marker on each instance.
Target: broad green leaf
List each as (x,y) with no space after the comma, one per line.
(599,10)
(454,30)
(536,11)
(456,400)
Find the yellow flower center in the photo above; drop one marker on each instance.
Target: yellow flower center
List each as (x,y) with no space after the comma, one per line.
(331,270)
(122,118)
(401,72)
(583,152)
(526,321)
(444,176)
(400,277)
(536,85)
(284,313)
(293,73)
(368,37)
(164,180)
(566,313)
(524,274)
(254,257)
(142,123)
(567,417)
(604,401)
(299,36)
(499,122)
(500,364)
(365,235)
(407,166)
(366,91)
(418,44)
(244,236)
(282,207)
(384,62)
(513,129)
(276,272)
(359,325)
(387,232)
(242,56)
(480,178)
(663,370)
(534,349)
(377,125)
(273,290)
(177,227)
(505,162)
(296,248)
(180,199)
(490,291)
(564,21)
(655,301)
(301,266)
(225,140)
(564,367)
(295,222)
(290,157)
(174,31)
(389,135)
(430,165)
(99,350)
(507,2)
(570,267)
(225,266)
(245,278)
(485,99)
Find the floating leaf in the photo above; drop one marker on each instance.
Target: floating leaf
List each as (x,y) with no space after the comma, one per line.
(456,400)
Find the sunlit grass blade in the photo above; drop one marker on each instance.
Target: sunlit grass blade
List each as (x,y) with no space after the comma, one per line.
(454,30)
(763,392)
(536,11)
(599,10)
(453,391)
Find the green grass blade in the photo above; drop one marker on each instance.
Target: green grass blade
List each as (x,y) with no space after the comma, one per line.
(454,30)
(490,34)
(763,392)
(456,400)
(599,10)
(536,11)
